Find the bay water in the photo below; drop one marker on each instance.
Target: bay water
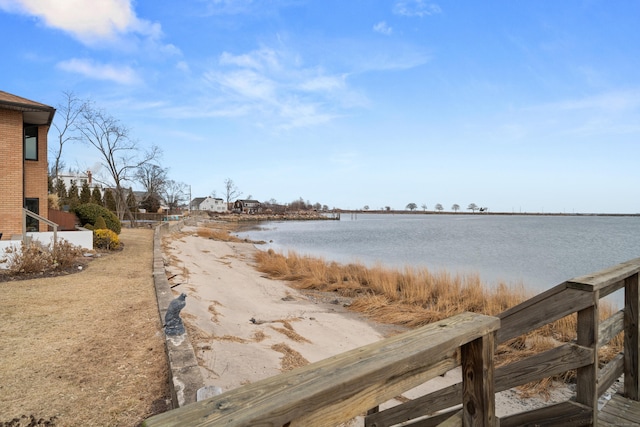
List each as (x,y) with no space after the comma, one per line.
(538,252)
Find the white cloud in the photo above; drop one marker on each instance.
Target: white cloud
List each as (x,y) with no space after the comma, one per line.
(263,59)
(229,7)
(323,83)
(276,85)
(245,83)
(416,8)
(382,28)
(122,75)
(88,21)
(183,66)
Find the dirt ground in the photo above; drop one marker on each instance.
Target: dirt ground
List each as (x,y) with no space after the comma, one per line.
(84,349)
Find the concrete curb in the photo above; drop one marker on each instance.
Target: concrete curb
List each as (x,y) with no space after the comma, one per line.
(185,376)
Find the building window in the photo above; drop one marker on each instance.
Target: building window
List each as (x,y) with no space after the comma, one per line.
(30,142)
(32,204)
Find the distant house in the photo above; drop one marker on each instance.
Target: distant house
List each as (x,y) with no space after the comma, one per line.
(211,204)
(247,206)
(79,179)
(24,125)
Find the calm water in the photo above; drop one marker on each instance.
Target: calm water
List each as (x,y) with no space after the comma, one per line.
(537,251)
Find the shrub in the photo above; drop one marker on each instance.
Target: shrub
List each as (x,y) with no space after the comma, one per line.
(89,227)
(30,258)
(89,213)
(106,239)
(65,254)
(34,257)
(100,223)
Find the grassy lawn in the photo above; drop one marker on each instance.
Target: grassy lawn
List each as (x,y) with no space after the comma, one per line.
(85,349)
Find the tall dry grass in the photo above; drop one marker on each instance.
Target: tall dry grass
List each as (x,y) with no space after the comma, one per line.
(217,233)
(414,297)
(410,296)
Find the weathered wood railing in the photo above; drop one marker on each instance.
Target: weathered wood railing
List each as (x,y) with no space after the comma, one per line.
(336,389)
(341,387)
(582,296)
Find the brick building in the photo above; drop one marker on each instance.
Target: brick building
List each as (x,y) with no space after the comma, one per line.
(24,125)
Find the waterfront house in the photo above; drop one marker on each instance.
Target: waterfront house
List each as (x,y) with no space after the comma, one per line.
(211,204)
(24,125)
(247,206)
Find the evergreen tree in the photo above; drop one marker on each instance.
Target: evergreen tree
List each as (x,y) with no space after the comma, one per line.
(85,193)
(61,190)
(96,196)
(109,200)
(73,198)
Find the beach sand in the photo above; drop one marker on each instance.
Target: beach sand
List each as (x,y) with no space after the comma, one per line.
(245,327)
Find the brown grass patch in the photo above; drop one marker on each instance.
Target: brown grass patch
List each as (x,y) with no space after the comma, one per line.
(214,312)
(260,336)
(230,338)
(217,233)
(85,348)
(291,359)
(289,332)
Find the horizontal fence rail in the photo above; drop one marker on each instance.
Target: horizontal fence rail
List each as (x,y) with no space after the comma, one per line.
(341,387)
(581,296)
(336,389)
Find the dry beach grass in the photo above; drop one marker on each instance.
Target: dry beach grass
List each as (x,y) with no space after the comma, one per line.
(84,349)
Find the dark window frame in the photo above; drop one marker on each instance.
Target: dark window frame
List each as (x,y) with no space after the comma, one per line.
(29,203)
(29,133)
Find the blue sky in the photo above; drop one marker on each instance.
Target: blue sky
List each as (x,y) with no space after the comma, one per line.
(515,105)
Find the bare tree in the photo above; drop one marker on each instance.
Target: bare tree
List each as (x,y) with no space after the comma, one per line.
(411,206)
(424,207)
(439,207)
(473,207)
(174,193)
(120,154)
(455,207)
(230,190)
(152,177)
(68,114)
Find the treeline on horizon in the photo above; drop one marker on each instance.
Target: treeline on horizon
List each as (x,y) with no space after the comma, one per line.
(427,212)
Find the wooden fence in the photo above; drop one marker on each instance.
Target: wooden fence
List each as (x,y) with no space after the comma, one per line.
(336,389)
(66,220)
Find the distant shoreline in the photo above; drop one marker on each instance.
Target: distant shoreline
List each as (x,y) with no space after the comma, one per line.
(336,214)
(405,212)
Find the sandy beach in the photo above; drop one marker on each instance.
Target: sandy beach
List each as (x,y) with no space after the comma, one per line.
(245,327)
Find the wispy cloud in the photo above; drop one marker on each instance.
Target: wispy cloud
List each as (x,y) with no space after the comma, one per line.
(382,28)
(416,8)
(603,117)
(239,7)
(119,74)
(276,85)
(614,101)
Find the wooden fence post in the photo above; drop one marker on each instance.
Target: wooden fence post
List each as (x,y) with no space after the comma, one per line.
(631,342)
(478,395)
(587,376)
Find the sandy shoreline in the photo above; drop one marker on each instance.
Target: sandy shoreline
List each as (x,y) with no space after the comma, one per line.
(245,327)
